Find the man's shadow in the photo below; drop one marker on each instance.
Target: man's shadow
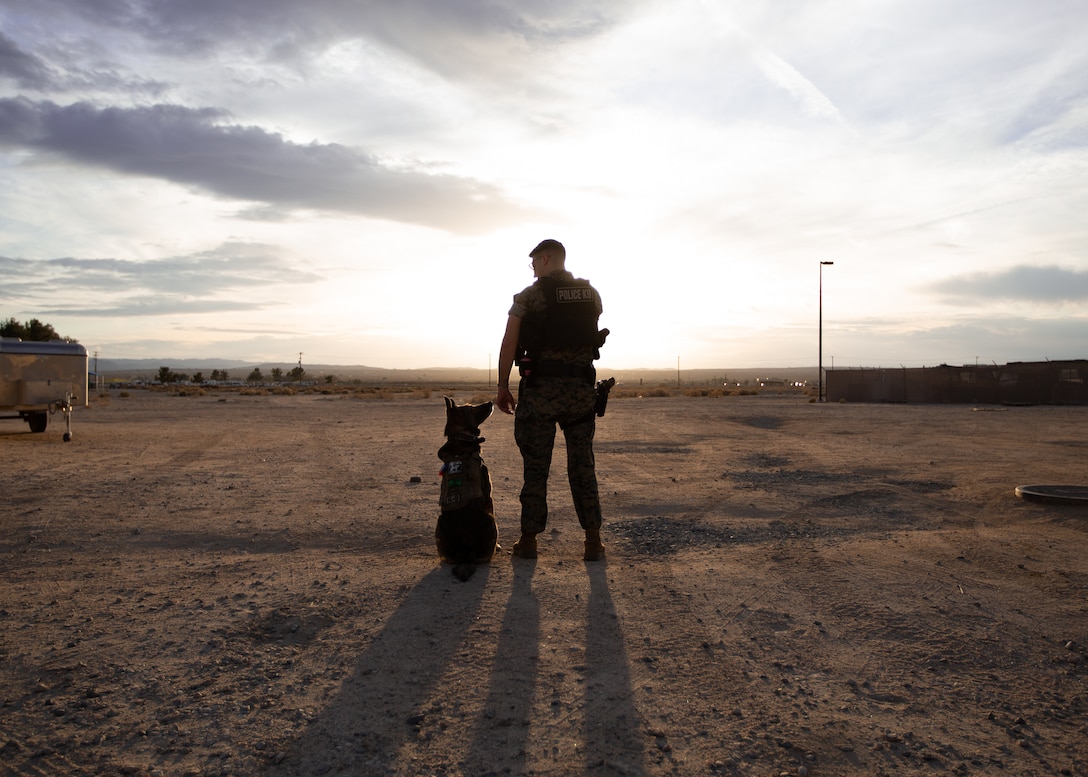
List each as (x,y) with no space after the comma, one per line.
(382,705)
(613,727)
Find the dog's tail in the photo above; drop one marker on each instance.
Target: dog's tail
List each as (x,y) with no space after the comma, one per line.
(464,571)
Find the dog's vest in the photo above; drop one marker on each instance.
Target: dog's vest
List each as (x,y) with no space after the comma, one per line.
(462,481)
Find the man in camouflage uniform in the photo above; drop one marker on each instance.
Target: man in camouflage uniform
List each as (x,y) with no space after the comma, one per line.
(552,332)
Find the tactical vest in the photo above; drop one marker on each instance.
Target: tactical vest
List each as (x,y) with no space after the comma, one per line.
(462,481)
(569,319)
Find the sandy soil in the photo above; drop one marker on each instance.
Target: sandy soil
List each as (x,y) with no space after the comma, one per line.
(231,585)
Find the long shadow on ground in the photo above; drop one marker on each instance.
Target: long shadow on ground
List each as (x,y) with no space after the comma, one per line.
(363,729)
(613,726)
(507,712)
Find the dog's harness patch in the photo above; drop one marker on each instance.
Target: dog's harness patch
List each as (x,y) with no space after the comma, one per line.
(461,481)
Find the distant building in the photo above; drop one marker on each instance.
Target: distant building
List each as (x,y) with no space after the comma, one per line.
(1016,383)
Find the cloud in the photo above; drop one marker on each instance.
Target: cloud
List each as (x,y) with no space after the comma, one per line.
(1046,284)
(210,281)
(26,70)
(62,65)
(195,147)
(458,38)
(963,339)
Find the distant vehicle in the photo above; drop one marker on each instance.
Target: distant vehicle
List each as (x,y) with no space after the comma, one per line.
(38,379)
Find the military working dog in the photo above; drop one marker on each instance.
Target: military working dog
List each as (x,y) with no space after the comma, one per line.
(466,533)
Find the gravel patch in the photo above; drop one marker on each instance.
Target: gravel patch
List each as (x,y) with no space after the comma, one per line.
(661,536)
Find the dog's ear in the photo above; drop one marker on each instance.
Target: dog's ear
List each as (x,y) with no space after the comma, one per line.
(450,404)
(482,412)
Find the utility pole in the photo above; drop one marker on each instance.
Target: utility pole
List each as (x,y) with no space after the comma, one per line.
(820,366)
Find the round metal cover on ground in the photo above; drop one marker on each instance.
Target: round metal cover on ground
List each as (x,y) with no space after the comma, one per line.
(1058,494)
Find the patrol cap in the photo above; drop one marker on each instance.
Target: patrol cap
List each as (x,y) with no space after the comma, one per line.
(549,246)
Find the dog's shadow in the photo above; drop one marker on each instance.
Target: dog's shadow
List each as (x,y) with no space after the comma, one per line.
(383,704)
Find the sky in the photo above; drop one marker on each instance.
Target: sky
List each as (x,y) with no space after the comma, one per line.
(361,182)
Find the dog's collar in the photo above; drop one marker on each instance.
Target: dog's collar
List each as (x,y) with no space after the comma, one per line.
(465,437)
(460,446)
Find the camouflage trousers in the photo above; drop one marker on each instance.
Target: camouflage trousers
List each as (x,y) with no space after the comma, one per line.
(542,404)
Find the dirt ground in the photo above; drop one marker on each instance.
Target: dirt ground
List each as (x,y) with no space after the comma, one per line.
(248,585)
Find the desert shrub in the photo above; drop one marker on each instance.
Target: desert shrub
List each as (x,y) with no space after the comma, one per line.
(373,392)
(706,392)
(637,392)
(124,394)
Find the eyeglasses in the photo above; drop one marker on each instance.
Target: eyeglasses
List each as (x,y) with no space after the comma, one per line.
(535,258)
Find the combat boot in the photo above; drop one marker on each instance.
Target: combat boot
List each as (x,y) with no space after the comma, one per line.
(526,546)
(594,548)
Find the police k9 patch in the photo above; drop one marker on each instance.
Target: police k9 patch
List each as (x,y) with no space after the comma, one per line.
(573,294)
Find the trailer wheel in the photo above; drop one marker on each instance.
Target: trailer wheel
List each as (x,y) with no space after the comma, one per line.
(37,421)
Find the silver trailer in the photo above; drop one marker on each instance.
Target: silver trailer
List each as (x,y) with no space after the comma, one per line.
(39,379)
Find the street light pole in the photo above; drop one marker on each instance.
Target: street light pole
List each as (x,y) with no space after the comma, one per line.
(820,376)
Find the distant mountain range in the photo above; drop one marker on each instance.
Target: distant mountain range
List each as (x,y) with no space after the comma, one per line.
(143,369)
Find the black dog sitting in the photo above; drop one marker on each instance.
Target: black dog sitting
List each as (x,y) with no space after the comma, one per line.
(466,533)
